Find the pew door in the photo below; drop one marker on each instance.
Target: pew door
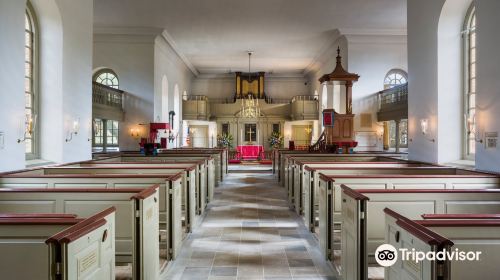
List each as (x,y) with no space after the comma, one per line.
(353,239)
(91,256)
(211,184)
(409,269)
(175,232)
(202,190)
(149,250)
(325,218)
(297,180)
(309,205)
(191,199)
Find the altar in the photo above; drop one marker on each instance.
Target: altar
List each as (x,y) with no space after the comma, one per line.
(250,152)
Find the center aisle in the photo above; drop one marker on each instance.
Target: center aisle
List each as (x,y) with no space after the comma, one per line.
(250,233)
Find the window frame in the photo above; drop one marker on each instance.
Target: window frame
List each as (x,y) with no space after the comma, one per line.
(395,71)
(98,73)
(467,31)
(34,81)
(105,145)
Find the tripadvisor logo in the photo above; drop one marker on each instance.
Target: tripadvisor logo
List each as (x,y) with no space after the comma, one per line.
(386,255)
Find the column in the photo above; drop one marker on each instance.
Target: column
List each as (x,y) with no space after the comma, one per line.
(386,140)
(398,132)
(348,101)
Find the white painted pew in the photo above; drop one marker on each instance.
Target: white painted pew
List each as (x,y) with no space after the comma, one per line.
(214,155)
(305,188)
(170,194)
(295,165)
(363,214)
(56,248)
(286,159)
(395,178)
(206,179)
(204,183)
(189,190)
(403,233)
(479,235)
(136,218)
(224,154)
(192,191)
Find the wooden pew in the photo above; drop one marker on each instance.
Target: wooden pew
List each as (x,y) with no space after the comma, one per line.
(480,237)
(296,165)
(224,153)
(58,248)
(203,183)
(389,178)
(362,216)
(305,182)
(206,178)
(283,156)
(460,216)
(219,165)
(136,218)
(193,198)
(170,192)
(289,162)
(193,191)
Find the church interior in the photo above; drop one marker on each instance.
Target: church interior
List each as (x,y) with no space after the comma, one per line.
(285,139)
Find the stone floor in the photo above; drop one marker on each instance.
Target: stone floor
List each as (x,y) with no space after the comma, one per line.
(250,233)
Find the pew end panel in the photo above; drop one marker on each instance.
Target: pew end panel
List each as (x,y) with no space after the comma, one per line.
(404,234)
(354,254)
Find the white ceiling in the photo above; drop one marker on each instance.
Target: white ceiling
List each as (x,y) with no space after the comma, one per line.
(286,35)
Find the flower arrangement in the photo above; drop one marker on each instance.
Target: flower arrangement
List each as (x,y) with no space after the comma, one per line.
(225,140)
(275,140)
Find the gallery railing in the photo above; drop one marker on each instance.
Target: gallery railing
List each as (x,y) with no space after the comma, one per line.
(305,98)
(393,96)
(107,96)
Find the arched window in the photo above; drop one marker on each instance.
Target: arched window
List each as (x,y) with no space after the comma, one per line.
(394,78)
(469,35)
(107,77)
(30,83)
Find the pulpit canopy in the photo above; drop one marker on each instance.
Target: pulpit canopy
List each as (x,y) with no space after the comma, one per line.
(339,73)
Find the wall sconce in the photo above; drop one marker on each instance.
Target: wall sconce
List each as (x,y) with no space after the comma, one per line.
(29,128)
(171,116)
(470,122)
(74,129)
(135,133)
(424,126)
(308,130)
(171,136)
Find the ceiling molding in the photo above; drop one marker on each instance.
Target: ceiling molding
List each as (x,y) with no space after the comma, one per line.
(175,48)
(231,76)
(110,30)
(368,31)
(317,60)
(377,39)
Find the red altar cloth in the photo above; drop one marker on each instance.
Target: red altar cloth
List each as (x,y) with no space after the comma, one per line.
(250,152)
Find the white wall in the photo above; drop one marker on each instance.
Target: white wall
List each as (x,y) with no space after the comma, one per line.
(77,18)
(372,57)
(12,81)
(65,29)
(145,64)
(168,64)
(434,56)
(423,19)
(132,58)
(488,81)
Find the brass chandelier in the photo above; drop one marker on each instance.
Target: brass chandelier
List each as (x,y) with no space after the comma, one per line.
(249,105)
